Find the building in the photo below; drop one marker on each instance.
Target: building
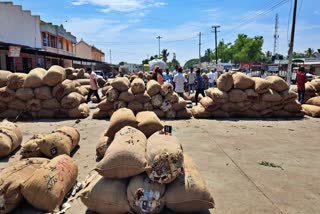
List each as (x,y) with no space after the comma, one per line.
(84,50)
(130,67)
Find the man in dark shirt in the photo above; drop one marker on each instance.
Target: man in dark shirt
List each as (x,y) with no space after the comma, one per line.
(301,80)
(199,85)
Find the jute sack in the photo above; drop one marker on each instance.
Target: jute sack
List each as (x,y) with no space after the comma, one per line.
(148,123)
(31,147)
(61,113)
(314,101)
(104,89)
(11,179)
(102,146)
(121,118)
(225,82)
(171,114)
(47,187)
(17,104)
(277,83)
(25,94)
(261,85)
(72,100)
(217,95)
(275,106)
(230,107)
(293,107)
(9,113)
(84,81)
(189,192)
(80,73)
(142,97)
(309,89)
(193,97)
(72,76)
(4,77)
(45,113)
(288,96)
(112,94)
(181,104)
(148,106)
(69,70)
(135,106)
(6,95)
(81,111)
(184,114)
(54,75)
(61,141)
(166,88)
(157,100)
(200,112)
(249,113)
(101,82)
(126,96)
(34,78)
(138,86)
(16,80)
(64,88)
(104,195)
(51,104)
(242,81)
(159,113)
(10,138)
(105,105)
(34,105)
(3,106)
(119,104)
(271,96)
(145,196)
(316,84)
(252,95)
(166,106)
(237,95)
(165,158)
(266,113)
(281,114)
(153,87)
(260,106)
(172,97)
(311,110)
(126,156)
(99,114)
(43,93)
(121,84)
(209,104)
(220,114)
(82,90)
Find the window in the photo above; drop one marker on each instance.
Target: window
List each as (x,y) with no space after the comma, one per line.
(27,64)
(53,41)
(60,44)
(44,39)
(68,46)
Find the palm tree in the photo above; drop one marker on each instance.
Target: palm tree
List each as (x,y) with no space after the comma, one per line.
(164,55)
(309,52)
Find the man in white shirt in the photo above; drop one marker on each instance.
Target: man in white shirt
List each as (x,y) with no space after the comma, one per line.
(93,85)
(212,78)
(191,78)
(179,81)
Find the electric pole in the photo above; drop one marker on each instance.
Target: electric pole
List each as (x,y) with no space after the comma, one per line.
(216,40)
(276,37)
(289,71)
(199,49)
(110,57)
(159,37)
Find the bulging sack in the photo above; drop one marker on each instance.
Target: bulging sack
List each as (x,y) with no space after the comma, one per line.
(159,113)
(102,146)
(16,80)
(181,104)
(25,94)
(61,141)
(121,84)
(51,104)
(126,156)
(172,97)
(6,95)
(271,96)
(217,95)
(261,85)
(145,196)
(314,101)
(82,111)
(148,106)
(142,97)
(237,96)
(165,158)
(121,118)
(17,104)
(127,96)
(64,88)
(112,94)
(31,147)
(184,114)
(148,123)
(225,82)
(72,100)
(311,110)
(104,195)
(54,75)
(138,86)
(293,107)
(34,78)
(209,104)
(34,105)
(200,112)
(166,88)
(11,179)
(43,93)
(157,100)
(10,137)
(4,77)
(106,105)
(252,95)
(277,83)
(171,114)
(100,114)
(47,187)
(189,192)
(135,106)
(153,87)
(242,81)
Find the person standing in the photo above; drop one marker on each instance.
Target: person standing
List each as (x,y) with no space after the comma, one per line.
(301,80)
(191,79)
(212,78)
(199,85)
(157,75)
(167,77)
(179,81)
(93,85)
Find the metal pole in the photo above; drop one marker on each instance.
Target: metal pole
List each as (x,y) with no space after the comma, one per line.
(110,57)
(216,41)
(289,71)
(200,49)
(159,37)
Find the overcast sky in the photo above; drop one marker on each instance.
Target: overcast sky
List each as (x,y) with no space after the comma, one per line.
(129,27)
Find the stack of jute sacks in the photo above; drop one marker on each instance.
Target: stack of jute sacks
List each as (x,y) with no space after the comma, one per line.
(312,98)
(42,182)
(138,96)
(10,138)
(238,95)
(144,171)
(41,94)
(82,77)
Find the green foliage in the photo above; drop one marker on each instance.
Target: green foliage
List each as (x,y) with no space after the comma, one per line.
(122,63)
(298,55)
(208,56)
(190,63)
(224,52)
(309,52)
(146,61)
(164,55)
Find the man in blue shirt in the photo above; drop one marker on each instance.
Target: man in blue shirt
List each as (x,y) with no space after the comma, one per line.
(199,85)
(167,77)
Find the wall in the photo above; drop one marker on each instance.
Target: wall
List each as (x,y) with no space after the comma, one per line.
(83,50)
(18,26)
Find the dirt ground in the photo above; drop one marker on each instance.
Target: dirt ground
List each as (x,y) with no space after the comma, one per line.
(228,153)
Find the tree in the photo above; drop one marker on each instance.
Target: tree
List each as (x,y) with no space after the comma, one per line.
(268,54)
(190,63)
(224,52)
(122,63)
(298,55)
(207,56)
(309,52)
(164,55)
(174,62)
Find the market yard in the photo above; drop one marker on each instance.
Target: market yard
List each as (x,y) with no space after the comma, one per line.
(227,153)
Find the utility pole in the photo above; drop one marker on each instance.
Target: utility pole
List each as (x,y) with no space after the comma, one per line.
(159,37)
(216,40)
(199,49)
(290,52)
(110,57)
(276,37)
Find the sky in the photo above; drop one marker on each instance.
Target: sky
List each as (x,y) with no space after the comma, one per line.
(129,27)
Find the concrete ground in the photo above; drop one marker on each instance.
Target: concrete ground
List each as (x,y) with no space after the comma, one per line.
(228,153)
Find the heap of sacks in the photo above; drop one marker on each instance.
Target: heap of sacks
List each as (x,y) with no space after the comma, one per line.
(312,98)
(144,170)
(238,95)
(41,94)
(44,183)
(139,96)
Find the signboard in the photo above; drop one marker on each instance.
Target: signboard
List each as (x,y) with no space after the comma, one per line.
(14,51)
(273,68)
(219,67)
